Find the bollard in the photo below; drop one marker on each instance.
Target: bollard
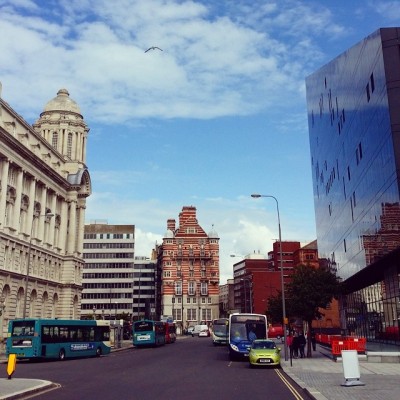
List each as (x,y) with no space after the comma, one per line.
(12,360)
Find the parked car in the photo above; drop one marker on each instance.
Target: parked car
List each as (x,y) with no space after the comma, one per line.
(200,328)
(189,330)
(264,352)
(205,332)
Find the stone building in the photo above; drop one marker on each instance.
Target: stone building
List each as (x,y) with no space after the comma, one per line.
(44,183)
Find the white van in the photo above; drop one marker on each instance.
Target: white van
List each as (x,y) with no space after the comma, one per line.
(200,330)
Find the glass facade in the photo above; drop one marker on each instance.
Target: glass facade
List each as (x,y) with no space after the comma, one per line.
(353,106)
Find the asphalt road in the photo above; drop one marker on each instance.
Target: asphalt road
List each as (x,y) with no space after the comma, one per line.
(191,368)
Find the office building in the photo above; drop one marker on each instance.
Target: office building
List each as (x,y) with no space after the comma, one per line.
(43,191)
(108,271)
(227,299)
(353,107)
(146,289)
(190,271)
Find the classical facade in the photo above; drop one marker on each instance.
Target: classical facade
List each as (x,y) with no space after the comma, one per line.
(354,129)
(44,184)
(190,271)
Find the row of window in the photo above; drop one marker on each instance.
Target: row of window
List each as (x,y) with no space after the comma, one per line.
(107,285)
(191,300)
(89,265)
(115,275)
(107,306)
(178,274)
(118,245)
(127,295)
(108,236)
(107,255)
(191,314)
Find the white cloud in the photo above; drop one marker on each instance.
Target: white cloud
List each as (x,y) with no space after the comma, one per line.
(210,67)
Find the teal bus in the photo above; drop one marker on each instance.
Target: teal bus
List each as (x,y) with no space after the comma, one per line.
(148,333)
(57,338)
(220,331)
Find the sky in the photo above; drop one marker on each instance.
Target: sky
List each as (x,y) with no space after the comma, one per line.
(214,114)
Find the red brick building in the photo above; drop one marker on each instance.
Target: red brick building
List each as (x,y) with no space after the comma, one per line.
(257,278)
(190,271)
(308,255)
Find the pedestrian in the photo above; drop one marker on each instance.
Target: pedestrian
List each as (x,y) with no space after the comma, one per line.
(295,345)
(302,344)
(313,340)
(289,343)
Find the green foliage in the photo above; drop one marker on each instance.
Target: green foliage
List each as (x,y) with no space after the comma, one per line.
(274,311)
(310,289)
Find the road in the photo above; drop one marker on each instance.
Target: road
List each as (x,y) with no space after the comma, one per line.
(191,368)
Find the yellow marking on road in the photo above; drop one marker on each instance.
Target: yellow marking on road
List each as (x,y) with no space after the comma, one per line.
(295,393)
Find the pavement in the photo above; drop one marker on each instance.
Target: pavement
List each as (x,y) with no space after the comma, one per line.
(321,376)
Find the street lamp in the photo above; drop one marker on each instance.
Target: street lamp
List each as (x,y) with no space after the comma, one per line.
(256,196)
(250,294)
(28,261)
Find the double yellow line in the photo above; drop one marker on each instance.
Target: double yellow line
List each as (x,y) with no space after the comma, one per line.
(295,393)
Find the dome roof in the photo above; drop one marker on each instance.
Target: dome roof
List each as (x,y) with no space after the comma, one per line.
(213,234)
(169,234)
(62,102)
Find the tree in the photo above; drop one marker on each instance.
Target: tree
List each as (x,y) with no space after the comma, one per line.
(309,290)
(274,311)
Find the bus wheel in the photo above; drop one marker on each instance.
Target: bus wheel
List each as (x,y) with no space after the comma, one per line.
(98,352)
(61,355)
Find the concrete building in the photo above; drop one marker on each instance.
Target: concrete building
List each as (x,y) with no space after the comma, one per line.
(44,183)
(354,131)
(146,289)
(190,271)
(227,299)
(108,271)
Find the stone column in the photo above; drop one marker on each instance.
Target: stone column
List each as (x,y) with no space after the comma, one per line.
(41,221)
(62,242)
(72,228)
(53,219)
(81,228)
(29,216)
(5,164)
(17,205)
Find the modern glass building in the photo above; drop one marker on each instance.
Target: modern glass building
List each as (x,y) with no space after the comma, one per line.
(353,106)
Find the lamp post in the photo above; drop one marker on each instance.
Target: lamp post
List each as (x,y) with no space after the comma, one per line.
(256,196)
(250,294)
(94,312)
(28,261)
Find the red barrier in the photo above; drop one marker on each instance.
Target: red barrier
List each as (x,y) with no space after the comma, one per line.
(348,343)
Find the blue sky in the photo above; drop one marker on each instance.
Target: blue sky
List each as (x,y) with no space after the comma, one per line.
(215,116)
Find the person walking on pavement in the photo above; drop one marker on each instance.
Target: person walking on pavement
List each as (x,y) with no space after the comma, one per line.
(295,345)
(289,344)
(302,344)
(313,340)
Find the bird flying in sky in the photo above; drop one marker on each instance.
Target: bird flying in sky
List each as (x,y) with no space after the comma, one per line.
(153,48)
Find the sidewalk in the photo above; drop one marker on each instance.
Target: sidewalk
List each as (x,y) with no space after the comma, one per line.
(322,377)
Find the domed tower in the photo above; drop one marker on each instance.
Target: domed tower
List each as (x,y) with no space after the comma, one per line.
(61,124)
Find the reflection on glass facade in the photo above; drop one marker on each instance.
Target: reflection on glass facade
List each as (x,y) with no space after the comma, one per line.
(354,129)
